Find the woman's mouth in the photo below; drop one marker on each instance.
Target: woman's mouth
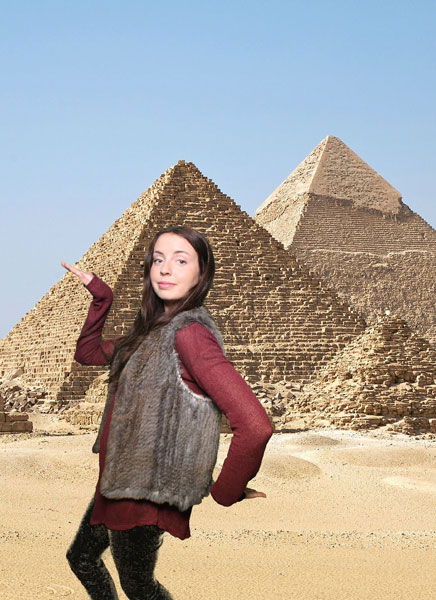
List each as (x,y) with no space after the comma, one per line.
(165,284)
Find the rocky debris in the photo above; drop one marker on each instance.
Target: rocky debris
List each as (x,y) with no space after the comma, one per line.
(14,421)
(275,398)
(21,397)
(384,378)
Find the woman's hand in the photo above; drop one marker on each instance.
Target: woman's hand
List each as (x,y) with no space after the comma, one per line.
(250,493)
(82,275)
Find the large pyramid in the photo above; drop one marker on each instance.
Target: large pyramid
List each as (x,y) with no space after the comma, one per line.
(384,377)
(278,321)
(351,227)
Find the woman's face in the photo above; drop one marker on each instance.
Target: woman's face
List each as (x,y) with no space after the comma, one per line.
(175,262)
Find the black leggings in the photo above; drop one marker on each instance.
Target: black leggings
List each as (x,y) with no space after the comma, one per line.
(134,552)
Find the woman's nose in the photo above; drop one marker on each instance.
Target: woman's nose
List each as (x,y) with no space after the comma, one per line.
(164,268)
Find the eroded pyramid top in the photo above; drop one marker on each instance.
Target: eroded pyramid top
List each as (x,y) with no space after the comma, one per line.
(332,169)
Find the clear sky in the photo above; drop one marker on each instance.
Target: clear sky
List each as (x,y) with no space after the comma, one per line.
(98,98)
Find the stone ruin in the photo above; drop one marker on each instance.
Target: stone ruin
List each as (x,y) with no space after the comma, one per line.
(278,321)
(350,226)
(14,421)
(386,377)
(19,396)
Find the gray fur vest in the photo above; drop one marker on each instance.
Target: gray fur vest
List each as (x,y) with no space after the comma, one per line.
(163,438)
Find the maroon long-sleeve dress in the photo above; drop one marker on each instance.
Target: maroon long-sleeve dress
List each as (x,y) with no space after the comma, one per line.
(206,371)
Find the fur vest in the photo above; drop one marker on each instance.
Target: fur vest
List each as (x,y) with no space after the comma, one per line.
(163,437)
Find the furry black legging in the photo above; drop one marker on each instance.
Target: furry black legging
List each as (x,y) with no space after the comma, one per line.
(134,552)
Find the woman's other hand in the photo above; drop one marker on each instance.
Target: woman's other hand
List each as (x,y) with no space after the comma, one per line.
(250,493)
(82,275)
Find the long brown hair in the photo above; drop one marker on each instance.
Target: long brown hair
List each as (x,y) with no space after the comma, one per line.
(152,313)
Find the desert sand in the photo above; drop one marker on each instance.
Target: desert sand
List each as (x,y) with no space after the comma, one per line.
(347,516)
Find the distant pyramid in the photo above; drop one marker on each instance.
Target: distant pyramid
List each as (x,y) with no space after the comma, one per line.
(278,321)
(384,377)
(351,227)
(333,170)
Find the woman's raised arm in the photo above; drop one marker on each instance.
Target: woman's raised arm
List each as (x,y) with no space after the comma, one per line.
(90,348)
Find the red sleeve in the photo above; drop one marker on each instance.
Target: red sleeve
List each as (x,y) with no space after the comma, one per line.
(215,374)
(90,348)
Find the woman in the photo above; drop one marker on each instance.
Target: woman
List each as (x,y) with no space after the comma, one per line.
(158,439)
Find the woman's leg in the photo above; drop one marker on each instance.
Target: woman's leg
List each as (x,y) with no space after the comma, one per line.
(84,555)
(135,555)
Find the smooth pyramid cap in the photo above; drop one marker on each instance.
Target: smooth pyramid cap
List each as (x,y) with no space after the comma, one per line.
(333,170)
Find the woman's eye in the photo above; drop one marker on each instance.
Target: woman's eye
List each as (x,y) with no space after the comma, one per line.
(160,260)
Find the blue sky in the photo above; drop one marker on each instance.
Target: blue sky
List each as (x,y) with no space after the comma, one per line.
(99,98)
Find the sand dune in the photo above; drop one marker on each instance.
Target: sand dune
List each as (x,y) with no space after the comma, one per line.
(408,483)
(347,516)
